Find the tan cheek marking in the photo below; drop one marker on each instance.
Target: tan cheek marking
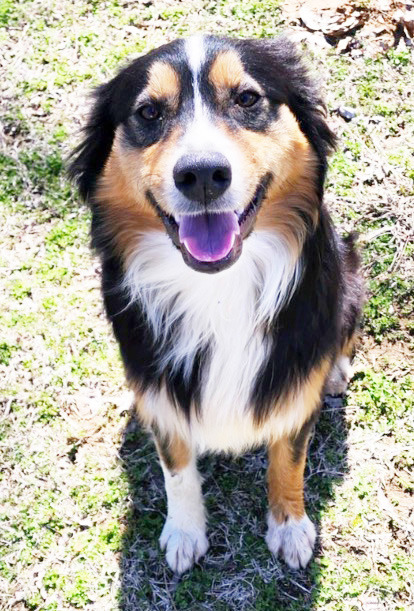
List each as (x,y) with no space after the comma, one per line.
(163,82)
(126,213)
(148,169)
(284,151)
(280,140)
(155,160)
(294,187)
(227,71)
(121,192)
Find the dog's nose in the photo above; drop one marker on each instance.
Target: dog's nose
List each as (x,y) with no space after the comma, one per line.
(202,177)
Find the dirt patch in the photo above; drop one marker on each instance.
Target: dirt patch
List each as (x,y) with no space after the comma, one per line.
(375,25)
(396,356)
(402,503)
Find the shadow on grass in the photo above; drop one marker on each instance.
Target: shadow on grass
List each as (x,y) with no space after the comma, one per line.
(238,571)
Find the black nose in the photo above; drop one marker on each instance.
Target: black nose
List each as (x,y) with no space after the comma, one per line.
(202,177)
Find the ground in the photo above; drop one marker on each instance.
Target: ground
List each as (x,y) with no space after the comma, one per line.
(81,494)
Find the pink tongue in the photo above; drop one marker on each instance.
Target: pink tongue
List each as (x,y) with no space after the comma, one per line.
(209,237)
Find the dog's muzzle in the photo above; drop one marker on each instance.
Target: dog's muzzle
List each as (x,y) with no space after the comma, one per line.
(210,240)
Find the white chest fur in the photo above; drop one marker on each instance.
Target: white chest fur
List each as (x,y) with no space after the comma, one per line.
(228,311)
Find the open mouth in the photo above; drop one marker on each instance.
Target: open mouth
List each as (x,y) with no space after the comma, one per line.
(212,241)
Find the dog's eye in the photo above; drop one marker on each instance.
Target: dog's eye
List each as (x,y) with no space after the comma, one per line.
(149,112)
(247,99)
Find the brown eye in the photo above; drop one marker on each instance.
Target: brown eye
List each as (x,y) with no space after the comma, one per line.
(247,99)
(149,112)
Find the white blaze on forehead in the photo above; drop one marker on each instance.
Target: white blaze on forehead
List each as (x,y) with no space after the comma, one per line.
(203,135)
(195,50)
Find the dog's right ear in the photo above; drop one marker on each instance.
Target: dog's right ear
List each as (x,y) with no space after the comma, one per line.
(88,158)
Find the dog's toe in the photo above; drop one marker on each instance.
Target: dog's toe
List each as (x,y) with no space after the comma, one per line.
(293,539)
(182,547)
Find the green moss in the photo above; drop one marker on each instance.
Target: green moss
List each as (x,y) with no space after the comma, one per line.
(399,57)
(11,181)
(6,352)
(382,401)
(54,580)
(343,170)
(77,592)
(46,407)
(9,12)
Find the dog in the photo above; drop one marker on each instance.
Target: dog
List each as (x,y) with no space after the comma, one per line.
(234,302)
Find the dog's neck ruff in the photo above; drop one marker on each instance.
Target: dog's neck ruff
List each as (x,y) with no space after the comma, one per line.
(225,314)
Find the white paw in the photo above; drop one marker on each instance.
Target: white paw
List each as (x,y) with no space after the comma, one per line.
(339,376)
(293,539)
(183,547)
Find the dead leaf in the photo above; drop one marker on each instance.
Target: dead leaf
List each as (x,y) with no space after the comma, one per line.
(332,23)
(310,19)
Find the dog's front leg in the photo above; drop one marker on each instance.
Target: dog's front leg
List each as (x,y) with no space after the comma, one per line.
(290,531)
(184,533)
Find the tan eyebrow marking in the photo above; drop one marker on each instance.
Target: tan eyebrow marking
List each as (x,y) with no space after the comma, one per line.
(163,81)
(227,71)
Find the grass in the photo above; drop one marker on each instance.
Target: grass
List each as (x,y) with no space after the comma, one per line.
(82,501)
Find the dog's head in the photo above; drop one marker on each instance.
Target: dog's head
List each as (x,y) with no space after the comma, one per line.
(207,139)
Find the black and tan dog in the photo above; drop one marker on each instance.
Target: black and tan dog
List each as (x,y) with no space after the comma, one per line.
(234,302)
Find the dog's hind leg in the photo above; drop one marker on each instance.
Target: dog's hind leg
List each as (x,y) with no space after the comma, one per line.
(290,531)
(184,534)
